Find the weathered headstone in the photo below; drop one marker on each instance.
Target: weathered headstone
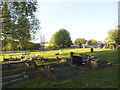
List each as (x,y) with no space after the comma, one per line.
(63,60)
(88,64)
(77,60)
(94,64)
(31,64)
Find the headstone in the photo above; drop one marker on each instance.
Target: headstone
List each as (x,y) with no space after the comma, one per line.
(98,48)
(77,60)
(31,64)
(94,64)
(36,54)
(30,58)
(71,54)
(91,49)
(83,47)
(88,64)
(63,60)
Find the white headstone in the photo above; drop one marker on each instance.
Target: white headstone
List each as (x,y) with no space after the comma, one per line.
(98,48)
(118,45)
(30,58)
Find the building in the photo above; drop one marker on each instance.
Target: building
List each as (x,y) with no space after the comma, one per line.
(87,45)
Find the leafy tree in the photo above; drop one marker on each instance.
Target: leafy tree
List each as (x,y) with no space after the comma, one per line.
(52,40)
(92,41)
(118,39)
(112,37)
(61,38)
(23,32)
(19,23)
(26,9)
(6,23)
(80,41)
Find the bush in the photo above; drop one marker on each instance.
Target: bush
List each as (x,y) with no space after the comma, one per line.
(48,47)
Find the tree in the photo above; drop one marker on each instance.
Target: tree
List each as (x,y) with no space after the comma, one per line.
(92,41)
(23,31)
(6,23)
(112,37)
(19,23)
(42,41)
(61,38)
(118,39)
(28,10)
(80,41)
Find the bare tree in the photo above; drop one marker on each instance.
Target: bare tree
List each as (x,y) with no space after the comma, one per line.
(42,41)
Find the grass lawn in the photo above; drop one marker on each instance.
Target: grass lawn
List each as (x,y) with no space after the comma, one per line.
(103,78)
(50,53)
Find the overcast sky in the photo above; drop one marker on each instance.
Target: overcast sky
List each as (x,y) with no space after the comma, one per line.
(89,20)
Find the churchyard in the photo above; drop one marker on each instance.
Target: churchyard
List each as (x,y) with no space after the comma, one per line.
(60,68)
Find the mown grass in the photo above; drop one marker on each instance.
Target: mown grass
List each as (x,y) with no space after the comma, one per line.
(103,78)
(49,53)
(13,70)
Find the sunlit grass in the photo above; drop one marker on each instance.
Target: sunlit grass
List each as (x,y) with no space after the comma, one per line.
(48,54)
(103,78)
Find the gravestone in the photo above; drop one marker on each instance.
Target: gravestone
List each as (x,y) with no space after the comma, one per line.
(36,54)
(88,64)
(77,60)
(94,64)
(91,49)
(47,70)
(71,54)
(63,60)
(98,48)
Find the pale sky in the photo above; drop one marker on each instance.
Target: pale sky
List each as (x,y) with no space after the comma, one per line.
(89,20)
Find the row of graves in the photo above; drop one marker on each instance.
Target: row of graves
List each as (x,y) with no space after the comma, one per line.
(71,67)
(64,68)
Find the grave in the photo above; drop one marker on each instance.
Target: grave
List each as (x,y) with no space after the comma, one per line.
(66,68)
(91,49)
(77,60)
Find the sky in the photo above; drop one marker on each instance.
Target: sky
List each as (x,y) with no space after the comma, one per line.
(89,20)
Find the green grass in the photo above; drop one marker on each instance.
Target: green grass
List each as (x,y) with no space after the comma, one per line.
(49,53)
(40,63)
(13,70)
(103,78)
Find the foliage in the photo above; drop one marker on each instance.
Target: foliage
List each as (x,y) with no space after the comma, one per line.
(23,32)
(19,23)
(6,22)
(92,41)
(48,47)
(118,41)
(112,37)
(61,38)
(33,46)
(80,41)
